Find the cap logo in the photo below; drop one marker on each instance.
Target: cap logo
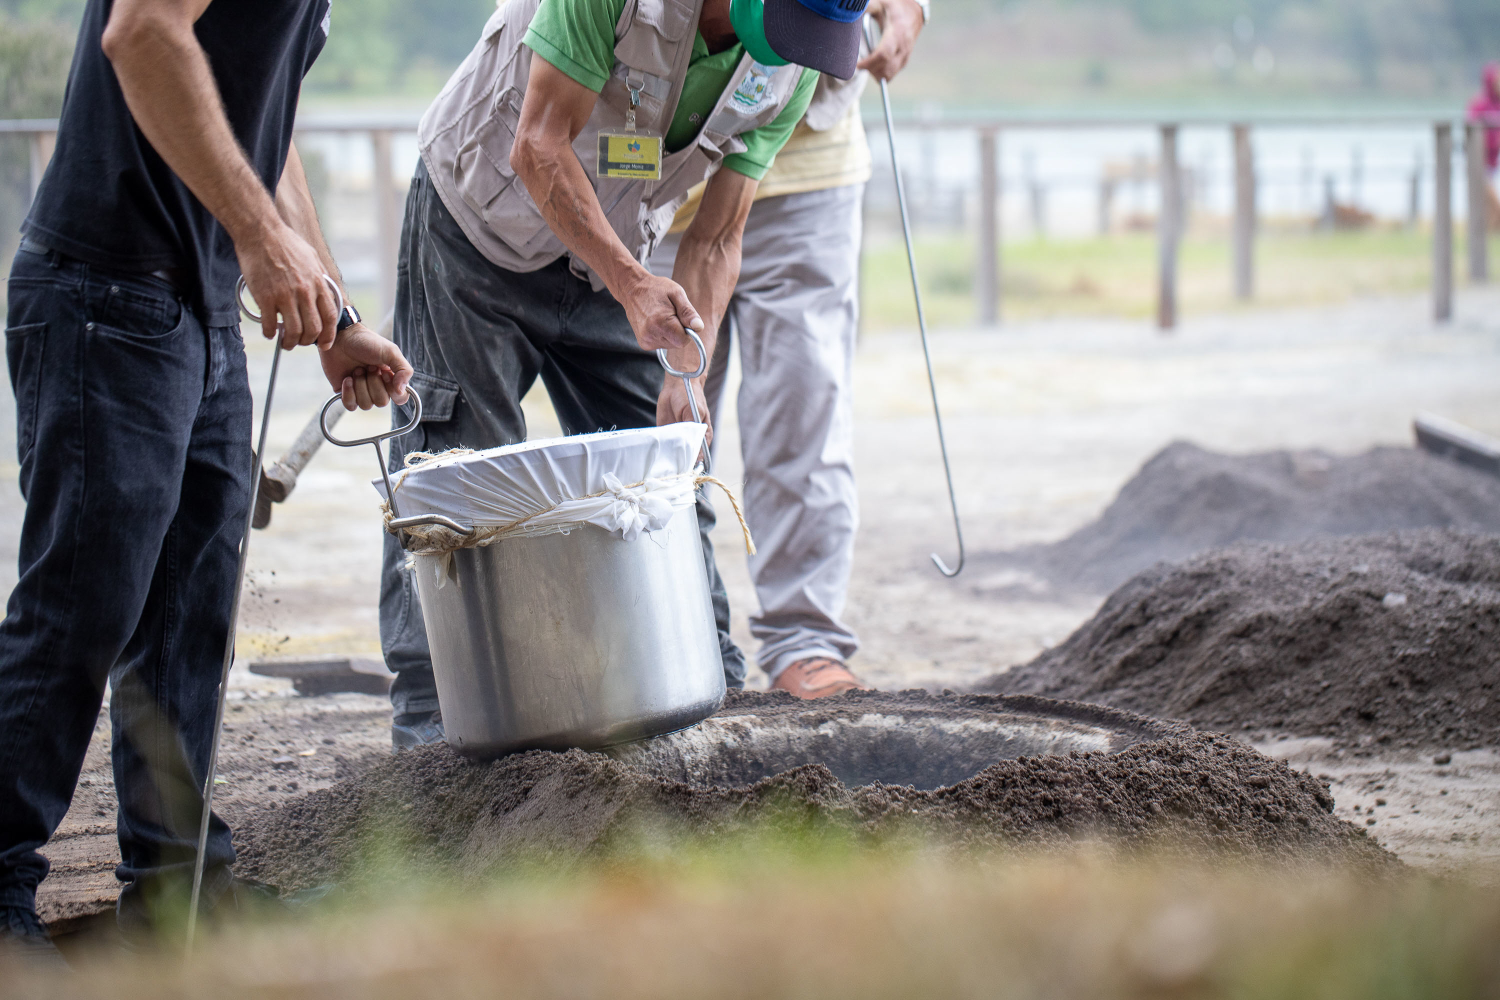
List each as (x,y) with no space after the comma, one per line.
(845,11)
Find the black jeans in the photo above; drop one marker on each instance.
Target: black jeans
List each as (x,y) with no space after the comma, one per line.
(479,336)
(133,428)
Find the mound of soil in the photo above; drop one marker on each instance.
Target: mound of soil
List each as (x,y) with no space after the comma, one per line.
(1186,500)
(431,810)
(1391,639)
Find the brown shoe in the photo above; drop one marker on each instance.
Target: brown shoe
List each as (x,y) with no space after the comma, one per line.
(818,677)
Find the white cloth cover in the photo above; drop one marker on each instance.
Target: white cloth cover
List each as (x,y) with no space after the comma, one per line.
(553,481)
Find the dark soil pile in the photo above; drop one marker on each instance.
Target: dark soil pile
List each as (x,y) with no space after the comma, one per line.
(1390,639)
(431,810)
(1186,500)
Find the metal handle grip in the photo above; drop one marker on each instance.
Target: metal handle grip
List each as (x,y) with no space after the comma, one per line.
(411,424)
(241,288)
(661,355)
(687,382)
(417,520)
(375,439)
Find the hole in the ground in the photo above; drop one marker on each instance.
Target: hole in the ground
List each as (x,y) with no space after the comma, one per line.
(923,747)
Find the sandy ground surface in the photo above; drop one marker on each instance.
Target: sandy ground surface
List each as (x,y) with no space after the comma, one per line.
(1046,420)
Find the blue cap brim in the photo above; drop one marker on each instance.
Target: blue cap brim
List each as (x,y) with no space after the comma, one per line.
(801,36)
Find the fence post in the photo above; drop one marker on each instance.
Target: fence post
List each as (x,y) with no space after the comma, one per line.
(387,231)
(1414,195)
(989,227)
(1478,181)
(1168,230)
(42,144)
(1442,223)
(1244,214)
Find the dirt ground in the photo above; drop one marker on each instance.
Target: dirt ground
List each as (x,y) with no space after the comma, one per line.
(1046,420)
(967,770)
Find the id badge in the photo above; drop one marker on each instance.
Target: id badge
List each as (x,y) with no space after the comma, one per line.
(630,155)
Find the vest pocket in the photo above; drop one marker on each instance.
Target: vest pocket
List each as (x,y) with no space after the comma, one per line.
(483,177)
(652,38)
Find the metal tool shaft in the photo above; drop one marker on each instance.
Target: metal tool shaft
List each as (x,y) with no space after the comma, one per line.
(234,607)
(916,289)
(234,614)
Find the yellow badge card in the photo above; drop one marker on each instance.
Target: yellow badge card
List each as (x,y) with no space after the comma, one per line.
(630,156)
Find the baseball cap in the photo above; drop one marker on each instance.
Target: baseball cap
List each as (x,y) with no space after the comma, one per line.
(819,34)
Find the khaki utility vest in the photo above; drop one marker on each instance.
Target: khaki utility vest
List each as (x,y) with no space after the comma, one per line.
(465,137)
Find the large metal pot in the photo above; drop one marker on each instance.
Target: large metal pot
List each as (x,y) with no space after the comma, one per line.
(572,640)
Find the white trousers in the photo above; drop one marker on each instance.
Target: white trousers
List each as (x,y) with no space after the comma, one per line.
(795,313)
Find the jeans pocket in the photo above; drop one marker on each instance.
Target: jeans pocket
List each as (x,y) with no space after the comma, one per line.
(151,336)
(134,310)
(23,353)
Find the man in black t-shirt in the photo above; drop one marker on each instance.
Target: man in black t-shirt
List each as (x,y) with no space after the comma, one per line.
(173,174)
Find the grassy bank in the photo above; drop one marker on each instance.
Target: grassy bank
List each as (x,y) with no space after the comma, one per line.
(1116,275)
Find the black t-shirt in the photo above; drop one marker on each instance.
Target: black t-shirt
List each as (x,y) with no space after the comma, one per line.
(107,197)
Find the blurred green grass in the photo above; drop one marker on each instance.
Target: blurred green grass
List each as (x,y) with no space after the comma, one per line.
(799,916)
(1116,275)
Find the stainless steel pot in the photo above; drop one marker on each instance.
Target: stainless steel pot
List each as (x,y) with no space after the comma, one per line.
(572,640)
(577,639)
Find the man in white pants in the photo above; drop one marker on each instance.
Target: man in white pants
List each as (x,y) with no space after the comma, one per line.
(795,311)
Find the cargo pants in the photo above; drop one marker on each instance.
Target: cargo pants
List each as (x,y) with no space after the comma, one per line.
(479,337)
(795,315)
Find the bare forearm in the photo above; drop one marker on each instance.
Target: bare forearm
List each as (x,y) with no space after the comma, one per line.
(169,88)
(707,268)
(708,258)
(171,93)
(553,114)
(557,183)
(295,205)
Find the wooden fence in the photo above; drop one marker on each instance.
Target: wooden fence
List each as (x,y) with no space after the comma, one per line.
(989,131)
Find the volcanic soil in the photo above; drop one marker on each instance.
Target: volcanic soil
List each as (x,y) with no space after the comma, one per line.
(1187,499)
(1389,639)
(431,810)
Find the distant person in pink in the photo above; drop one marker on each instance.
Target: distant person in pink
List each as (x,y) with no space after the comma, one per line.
(1486,108)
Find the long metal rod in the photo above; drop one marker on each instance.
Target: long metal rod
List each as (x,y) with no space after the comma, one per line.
(916,290)
(234,614)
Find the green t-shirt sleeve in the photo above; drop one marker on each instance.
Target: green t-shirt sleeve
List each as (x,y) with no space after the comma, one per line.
(578,37)
(762,144)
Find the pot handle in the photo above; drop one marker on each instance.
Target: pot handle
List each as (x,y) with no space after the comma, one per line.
(416,418)
(417,520)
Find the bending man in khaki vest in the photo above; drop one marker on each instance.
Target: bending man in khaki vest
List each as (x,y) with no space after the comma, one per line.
(552,163)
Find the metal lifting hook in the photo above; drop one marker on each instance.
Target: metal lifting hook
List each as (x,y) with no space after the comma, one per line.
(234,610)
(916,290)
(687,383)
